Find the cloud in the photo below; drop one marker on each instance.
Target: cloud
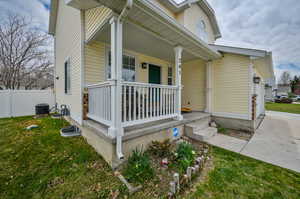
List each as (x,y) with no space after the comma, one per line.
(36,10)
(269,24)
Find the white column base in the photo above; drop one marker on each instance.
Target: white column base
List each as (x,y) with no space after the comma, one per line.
(112,132)
(179,117)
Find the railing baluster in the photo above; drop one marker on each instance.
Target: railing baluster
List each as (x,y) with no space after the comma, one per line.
(129,111)
(134,103)
(124,103)
(139,103)
(151,103)
(169,99)
(143,103)
(147,102)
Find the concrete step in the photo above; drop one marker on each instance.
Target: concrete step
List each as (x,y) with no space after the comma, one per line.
(198,125)
(203,135)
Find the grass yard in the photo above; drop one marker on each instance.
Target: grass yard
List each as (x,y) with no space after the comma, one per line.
(289,108)
(41,164)
(236,176)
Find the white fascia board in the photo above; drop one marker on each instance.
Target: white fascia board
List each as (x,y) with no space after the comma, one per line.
(53,17)
(241,51)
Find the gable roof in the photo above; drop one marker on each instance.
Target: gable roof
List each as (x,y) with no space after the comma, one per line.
(171,4)
(203,4)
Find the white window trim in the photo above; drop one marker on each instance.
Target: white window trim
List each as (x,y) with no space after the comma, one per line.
(126,53)
(199,32)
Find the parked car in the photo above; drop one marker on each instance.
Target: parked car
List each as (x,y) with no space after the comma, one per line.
(284,100)
(283,96)
(298,97)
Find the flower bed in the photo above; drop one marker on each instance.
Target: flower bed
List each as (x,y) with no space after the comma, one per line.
(170,167)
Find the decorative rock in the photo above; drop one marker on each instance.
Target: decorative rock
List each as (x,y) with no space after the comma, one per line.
(198,160)
(197,168)
(193,170)
(189,173)
(213,124)
(176,180)
(205,151)
(173,188)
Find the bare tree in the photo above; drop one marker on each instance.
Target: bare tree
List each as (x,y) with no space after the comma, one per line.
(24,54)
(285,78)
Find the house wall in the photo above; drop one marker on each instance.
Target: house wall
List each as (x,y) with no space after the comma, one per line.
(192,17)
(95,64)
(94,19)
(167,11)
(231,86)
(194,85)
(68,40)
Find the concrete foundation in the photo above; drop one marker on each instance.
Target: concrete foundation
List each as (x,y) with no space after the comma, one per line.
(236,124)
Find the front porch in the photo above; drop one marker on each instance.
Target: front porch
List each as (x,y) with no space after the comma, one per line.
(122,98)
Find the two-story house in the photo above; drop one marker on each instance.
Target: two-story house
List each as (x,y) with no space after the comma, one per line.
(126,68)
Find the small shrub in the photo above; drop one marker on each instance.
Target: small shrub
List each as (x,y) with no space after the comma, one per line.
(222,130)
(184,156)
(138,168)
(160,149)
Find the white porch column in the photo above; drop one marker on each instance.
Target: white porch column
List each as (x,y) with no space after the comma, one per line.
(178,55)
(209,87)
(116,129)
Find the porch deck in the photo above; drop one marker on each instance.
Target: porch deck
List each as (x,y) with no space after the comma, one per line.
(136,131)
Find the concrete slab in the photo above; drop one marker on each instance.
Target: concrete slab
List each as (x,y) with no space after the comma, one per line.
(277,141)
(227,142)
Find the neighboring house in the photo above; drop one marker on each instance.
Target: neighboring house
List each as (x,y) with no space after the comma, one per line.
(297,89)
(270,89)
(126,68)
(283,89)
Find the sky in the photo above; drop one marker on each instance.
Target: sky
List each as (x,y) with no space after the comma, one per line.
(272,25)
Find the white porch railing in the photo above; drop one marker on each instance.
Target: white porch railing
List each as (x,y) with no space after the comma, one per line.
(141,102)
(147,102)
(100,102)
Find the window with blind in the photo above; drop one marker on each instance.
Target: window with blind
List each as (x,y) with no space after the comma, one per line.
(128,71)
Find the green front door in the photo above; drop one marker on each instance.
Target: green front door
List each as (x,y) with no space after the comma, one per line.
(154,74)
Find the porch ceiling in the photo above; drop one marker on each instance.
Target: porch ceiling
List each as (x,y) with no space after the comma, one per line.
(153,19)
(141,41)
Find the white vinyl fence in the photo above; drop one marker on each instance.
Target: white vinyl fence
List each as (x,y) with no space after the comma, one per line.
(14,103)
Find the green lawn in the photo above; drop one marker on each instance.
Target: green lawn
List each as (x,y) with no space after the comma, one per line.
(289,108)
(236,176)
(41,164)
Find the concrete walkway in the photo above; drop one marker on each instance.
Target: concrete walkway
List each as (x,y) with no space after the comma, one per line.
(277,141)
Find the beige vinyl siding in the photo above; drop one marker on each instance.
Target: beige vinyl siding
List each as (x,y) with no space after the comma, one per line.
(95,64)
(68,46)
(194,84)
(142,74)
(192,16)
(231,84)
(260,66)
(164,8)
(94,19)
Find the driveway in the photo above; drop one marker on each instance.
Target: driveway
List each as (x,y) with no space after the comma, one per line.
(276,141)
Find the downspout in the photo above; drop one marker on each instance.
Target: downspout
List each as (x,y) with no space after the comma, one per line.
(121,17)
